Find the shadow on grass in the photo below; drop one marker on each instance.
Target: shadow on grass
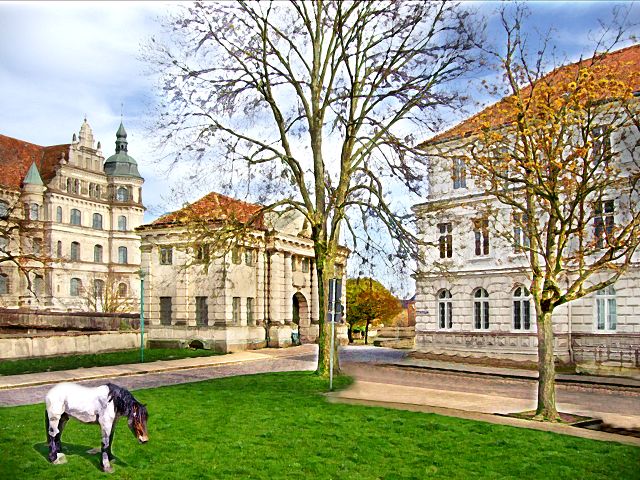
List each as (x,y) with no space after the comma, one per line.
(70,449)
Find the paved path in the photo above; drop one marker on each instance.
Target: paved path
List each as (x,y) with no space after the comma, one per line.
(383,377)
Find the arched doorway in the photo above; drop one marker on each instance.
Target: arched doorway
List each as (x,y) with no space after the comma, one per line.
(301,315)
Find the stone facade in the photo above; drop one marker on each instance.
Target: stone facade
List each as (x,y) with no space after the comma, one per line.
(75,215)
(256,293)
(471,297)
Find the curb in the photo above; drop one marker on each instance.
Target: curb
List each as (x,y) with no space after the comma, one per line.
(604,382)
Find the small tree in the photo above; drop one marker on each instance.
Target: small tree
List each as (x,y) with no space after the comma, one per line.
(109,295)
(369,303)
(306,101)
(561,150)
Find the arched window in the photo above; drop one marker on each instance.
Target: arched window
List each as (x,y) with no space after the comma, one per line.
(122,223)
(122,194)
(97,221)
(75,217)
(606,315)
(122,290)
(75,251)
(59,214)
(59,249)
(34,211)
(521,309)
(75,288)
(38,285)
(4,284)
(445,309)
(97,253)
(481,309)
(98,288)
(122,255)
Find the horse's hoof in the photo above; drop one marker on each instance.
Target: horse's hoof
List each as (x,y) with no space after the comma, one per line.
(94,451)
(60,459)
(108,469)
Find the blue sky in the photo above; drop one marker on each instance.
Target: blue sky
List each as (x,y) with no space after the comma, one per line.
(60,61)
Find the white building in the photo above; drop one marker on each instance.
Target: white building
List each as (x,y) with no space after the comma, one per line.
(472,298)
(231,293)
(74,216)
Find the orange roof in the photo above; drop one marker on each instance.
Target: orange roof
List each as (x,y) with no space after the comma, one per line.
(16,156)
(626,62)
(212,207)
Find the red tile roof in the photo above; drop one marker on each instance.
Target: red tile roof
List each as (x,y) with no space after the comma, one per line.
(212,207)
(626,62)
(16,156)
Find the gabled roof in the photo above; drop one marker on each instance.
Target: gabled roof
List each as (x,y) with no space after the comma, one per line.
(626,62)
(211,208)
(16,157)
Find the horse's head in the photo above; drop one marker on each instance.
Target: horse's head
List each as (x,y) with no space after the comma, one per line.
(138,422)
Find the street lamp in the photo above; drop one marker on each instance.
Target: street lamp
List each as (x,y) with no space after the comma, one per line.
(142,273)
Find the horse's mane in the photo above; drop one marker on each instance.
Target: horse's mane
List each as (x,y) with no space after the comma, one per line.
(122,399)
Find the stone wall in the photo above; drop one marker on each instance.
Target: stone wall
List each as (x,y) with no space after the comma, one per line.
(72,343)
(27,321)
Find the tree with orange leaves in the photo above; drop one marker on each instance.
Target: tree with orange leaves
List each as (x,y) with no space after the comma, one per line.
(561,151)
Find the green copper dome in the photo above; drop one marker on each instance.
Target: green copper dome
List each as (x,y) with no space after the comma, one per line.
(121,164)
(33,176)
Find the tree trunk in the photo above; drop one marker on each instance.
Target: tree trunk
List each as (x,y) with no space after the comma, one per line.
(324,334)
(366,333)
(546,408)
(350,334)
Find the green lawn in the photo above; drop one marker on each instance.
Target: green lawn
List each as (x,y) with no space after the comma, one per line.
(278,426)
(50,364)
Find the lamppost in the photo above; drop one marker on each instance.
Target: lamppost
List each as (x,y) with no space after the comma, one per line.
(142,274)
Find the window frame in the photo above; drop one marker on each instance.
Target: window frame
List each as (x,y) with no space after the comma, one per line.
(445,240)
(96,216)
(459,174)
(604,299)
(445,309)
(74,251)
(235,310)
(202,311)
(75,217)
(166,314)
(521,311)
(123,254)
(75,287)
(98,253)
(481,310)
(166,255)
(250,303)
(481,236)
(603,221)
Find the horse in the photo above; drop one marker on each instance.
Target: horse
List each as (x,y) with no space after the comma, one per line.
(102,405)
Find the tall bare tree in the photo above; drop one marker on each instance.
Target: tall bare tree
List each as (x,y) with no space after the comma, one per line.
(561,150)
(311,98)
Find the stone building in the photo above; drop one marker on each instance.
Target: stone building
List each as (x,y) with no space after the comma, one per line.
(68,216)
(231,291)
(472,298)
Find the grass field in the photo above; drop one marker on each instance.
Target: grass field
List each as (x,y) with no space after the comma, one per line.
(277,426)
(51,364)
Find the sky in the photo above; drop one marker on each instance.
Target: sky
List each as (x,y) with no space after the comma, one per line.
(62,61)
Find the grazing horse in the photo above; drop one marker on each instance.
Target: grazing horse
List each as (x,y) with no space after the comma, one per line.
(103,405)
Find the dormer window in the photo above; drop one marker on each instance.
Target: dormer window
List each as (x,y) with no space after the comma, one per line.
(459,174)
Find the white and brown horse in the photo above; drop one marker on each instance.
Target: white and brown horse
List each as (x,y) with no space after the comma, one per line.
(102,405)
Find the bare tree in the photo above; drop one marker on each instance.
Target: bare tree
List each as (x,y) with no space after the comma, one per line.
(110,294)
(561,151)
(311,98)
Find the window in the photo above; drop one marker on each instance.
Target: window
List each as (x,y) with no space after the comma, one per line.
(521,309)
(481,234)
(236,309)
(4,284)
(294,263)
(76,217)
(38,285)
(305,265)
(34,211)
(76,186)
(123,290)
(59,249)
(249,311)
(202,253)
(75,251)
(98,288)
(248,257)
(481,309)
(606,317)
(445,241)
(122,194)
(459,174)
(75,287)
(520,235)
(92,190)
(122,255)
(601,144)
(69,185)
(165,310)
(59,214)
(603,222)
(97,221)
(235,255)
(202,311)
(166,255)
(97,253)
(97,192)
(122,223)
(445,309)
(4,210)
